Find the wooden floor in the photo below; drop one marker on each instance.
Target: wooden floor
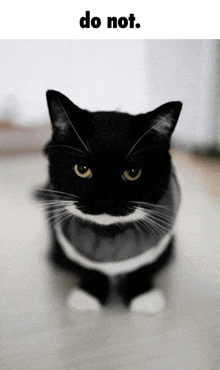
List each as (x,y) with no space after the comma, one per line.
(40,332)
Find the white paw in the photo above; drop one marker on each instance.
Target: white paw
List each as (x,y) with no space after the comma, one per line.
(150,302)
(82,300)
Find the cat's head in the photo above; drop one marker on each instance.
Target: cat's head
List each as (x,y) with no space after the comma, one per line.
(109,161)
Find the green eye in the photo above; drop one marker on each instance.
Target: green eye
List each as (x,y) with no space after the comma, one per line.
(82,171)
(132,174)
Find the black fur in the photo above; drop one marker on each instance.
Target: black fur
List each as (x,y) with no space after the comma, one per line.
(109,143)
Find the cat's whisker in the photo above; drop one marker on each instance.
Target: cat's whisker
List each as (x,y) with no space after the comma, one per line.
(152,205)
(51,215)
(48,211)
(118,225)
(154,229)
(62,217)
(156,219)
(87,144)
(159,214)
(159,218)
(131,208)
(53,206)
(147,227)
(137,227)
(161,223)
(55,211)
(57,215)
(162,216)
(157,225)
(82,208)
(56,192)
(57,201)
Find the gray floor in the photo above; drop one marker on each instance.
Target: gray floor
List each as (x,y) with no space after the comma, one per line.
(39,331)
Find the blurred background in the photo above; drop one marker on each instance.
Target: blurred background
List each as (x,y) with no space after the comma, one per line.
(128,75)
(38,328)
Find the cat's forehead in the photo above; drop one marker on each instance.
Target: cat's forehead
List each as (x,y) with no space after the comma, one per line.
(112,130)
(106,121)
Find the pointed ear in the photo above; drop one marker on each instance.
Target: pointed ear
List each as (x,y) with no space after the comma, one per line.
(164,118)
(61,110)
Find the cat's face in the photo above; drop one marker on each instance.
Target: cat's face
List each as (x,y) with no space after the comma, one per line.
(109,161)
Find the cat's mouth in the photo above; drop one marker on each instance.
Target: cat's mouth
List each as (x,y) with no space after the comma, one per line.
(107,217)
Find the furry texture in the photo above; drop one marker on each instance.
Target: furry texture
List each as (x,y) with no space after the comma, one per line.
(113,193)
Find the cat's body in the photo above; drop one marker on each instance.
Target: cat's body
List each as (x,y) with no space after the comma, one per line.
(112,198)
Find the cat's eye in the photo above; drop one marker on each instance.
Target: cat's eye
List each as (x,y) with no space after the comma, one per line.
(83,171)
(132,174)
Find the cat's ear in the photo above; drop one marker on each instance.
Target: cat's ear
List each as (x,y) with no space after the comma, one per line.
(164,118)
(61,111)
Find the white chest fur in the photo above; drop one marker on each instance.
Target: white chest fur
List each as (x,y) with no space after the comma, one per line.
(112,268)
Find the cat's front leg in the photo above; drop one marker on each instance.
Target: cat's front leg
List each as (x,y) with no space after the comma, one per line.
(92,291)
(93,286)
(81,300)
(139,294)
(150,302)
(137,288)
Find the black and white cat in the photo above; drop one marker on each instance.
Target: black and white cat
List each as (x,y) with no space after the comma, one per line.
(112,200)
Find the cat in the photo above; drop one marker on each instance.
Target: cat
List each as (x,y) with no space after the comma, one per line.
(111,200)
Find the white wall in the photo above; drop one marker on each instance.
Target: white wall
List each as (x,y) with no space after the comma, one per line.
(95,74)
(217,112)
(185,70)
(128,75)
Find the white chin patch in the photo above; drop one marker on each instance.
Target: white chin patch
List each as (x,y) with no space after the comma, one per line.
(105,219)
